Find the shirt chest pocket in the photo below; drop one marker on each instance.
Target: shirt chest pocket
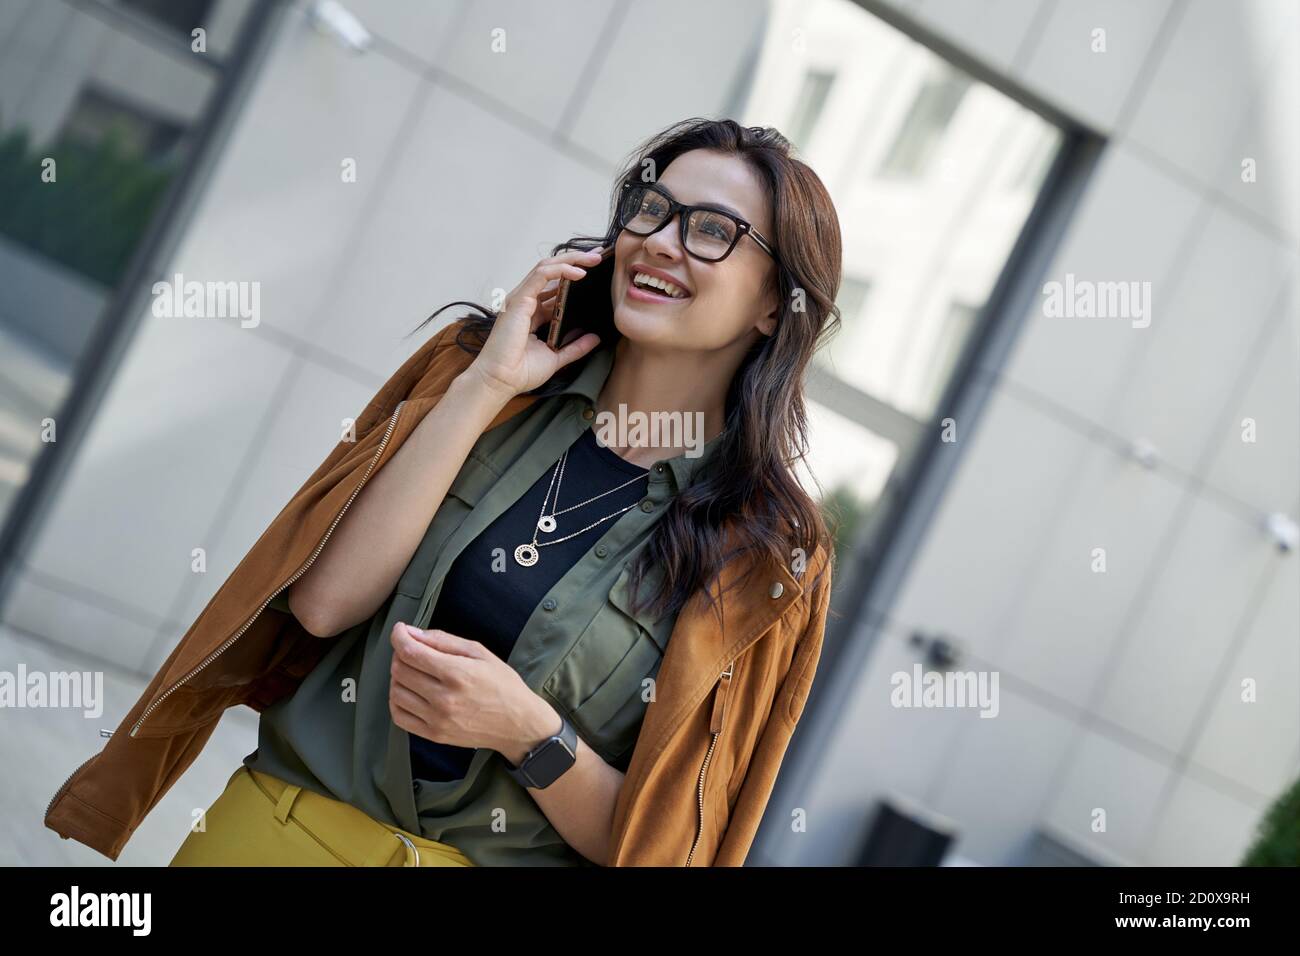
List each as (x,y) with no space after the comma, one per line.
(463,494)
(600,681)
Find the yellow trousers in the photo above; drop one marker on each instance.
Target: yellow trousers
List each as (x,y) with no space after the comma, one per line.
(260,820)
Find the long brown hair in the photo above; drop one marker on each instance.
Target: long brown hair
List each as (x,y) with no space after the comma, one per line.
(748,480)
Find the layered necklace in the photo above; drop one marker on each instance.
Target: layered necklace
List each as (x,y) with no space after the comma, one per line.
(526,554)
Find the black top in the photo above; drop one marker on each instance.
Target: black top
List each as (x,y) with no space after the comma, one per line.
(492,608)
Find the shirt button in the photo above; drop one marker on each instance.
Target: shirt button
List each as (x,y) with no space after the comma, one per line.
(588,413)
(647,505)
(601,551)
(777,589)
(549,604)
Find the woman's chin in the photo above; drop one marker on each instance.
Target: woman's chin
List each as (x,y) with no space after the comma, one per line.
(645,324)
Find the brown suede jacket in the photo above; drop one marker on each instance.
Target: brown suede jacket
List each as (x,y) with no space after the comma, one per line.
(711,743)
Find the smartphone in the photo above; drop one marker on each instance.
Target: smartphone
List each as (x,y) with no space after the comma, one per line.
(585,303)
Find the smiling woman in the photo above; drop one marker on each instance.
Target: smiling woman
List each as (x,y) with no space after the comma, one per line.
(695,324)
(539,648)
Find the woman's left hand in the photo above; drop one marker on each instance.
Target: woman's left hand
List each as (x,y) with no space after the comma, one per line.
(455,691)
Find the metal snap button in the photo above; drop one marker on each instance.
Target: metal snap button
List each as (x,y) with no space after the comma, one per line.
(659,468)
(588,413)
(549,604)
(777,589)
(647,505)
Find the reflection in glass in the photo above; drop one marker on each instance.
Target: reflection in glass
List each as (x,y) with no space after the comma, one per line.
(808,106)
(932,110)
(933,246)
(952,337)
(88,148)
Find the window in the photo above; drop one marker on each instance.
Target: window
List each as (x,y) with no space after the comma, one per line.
(808,106)
(86,156)
(923,128)
(97,116)
(956,328)
(919,262)
(1034,164)
(852,298)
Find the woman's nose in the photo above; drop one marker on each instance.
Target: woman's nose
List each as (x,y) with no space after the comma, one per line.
(667,240)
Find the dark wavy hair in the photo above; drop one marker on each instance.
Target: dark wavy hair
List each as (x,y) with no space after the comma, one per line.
(748,481)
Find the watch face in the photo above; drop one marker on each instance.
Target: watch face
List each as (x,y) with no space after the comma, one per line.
(552,760)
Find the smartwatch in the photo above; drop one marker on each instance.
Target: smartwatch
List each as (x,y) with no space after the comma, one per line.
(546,762)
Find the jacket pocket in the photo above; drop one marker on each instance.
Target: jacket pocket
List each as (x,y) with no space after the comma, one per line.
(600,682)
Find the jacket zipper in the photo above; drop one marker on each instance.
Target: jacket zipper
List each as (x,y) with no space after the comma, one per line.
(53,799)
(715,729)
(392,423)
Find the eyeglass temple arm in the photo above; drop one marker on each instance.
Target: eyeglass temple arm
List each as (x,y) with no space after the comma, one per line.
(758,237)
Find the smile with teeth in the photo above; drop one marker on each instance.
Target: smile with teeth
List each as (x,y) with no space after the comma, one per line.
(644,280)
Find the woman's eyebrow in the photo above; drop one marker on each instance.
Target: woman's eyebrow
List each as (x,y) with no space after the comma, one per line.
(711,205)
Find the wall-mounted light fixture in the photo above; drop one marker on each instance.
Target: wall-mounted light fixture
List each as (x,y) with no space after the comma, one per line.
(339,23)
(1144,453)
(1284,531)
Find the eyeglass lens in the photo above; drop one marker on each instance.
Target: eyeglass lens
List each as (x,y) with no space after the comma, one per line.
(708,234)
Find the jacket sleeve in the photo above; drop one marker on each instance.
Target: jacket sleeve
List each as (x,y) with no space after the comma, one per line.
(105,799)
(769,752)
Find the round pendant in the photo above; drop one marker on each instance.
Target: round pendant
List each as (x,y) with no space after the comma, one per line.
(526,555)
(547,524)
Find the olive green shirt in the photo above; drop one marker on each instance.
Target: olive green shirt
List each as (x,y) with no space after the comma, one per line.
(582,650)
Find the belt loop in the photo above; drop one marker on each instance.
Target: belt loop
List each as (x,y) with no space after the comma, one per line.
(285,803)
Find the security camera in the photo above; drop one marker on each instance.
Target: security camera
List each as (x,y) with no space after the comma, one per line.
(1284,531)
(941,651)
(335,20)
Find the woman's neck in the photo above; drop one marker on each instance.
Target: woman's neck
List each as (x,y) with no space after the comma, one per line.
(691,387)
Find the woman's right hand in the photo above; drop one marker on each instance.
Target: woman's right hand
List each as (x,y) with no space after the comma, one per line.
(514,360)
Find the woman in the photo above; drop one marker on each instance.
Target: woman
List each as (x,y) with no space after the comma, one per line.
(500,733)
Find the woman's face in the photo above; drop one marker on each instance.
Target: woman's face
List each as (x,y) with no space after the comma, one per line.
(725,301)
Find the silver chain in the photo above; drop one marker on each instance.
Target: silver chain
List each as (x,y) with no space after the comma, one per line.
(527,554)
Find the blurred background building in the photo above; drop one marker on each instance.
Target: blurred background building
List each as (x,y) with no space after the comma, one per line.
(1095,507)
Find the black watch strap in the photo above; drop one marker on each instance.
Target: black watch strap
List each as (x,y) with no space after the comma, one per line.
(548,761)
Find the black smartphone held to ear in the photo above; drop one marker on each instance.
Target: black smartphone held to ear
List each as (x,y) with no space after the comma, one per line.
(585,303)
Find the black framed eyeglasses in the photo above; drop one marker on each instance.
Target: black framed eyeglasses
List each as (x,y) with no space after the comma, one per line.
(707,232)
